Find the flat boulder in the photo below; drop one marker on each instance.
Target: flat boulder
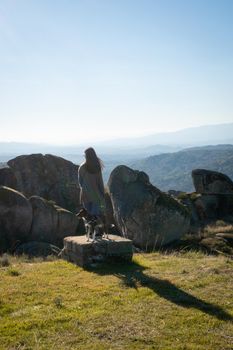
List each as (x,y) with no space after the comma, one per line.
(48,176)
(51,223)
(15,218)
(144,214)
(211,182)
(83,253)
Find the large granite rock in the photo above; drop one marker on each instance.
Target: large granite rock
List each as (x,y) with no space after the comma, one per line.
(214,206)
(48,176)
(207,207)
(211,182)
(109,210)
(143,213)
(7,177)
(225,205)
(51,223)
(15,218)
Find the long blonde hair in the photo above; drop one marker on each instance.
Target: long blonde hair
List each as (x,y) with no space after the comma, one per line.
(93,164)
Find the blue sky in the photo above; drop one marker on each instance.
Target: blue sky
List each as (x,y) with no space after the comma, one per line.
(79,70)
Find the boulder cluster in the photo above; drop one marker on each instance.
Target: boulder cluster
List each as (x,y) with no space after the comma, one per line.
(39,195)
(39,199)
(213,198)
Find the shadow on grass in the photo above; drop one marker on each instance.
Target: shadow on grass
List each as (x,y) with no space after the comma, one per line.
(132,275)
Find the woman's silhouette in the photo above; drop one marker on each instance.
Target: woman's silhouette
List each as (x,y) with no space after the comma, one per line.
(91,184)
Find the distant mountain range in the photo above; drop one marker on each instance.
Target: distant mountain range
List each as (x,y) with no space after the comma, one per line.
(132,147)
(168,158)
(173,170)
(189,137)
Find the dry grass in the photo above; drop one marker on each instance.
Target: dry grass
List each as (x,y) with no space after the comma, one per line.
(160,301)
(219,226)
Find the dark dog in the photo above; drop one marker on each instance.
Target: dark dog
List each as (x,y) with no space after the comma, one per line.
(93,224)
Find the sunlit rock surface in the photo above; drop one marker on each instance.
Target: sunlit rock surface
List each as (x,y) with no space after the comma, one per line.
(143,213)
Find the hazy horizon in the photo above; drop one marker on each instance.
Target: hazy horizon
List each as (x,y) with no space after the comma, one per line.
(150,134)
(188,137)
(82,71)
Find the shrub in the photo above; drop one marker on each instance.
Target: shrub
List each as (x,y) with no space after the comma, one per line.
(13,272)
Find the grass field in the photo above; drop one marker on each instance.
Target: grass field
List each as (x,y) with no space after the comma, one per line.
(160,301)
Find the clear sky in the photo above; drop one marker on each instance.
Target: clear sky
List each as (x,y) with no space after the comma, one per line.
(77,70)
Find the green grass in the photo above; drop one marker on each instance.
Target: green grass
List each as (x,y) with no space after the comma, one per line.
(160,301)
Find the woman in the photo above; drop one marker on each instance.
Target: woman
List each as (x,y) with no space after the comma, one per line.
(91,184)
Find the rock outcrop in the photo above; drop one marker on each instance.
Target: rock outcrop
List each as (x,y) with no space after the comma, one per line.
(7,177)
(48,176)
(211,182)
(215,194)
(142,212)
(15,218)
(207,206)
(36,219)
(51,223)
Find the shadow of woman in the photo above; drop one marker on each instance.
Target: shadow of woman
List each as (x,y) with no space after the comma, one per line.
(132,276)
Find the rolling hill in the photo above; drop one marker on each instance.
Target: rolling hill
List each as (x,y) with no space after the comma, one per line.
(173,170)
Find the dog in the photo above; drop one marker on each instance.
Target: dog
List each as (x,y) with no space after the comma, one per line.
(93,225)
